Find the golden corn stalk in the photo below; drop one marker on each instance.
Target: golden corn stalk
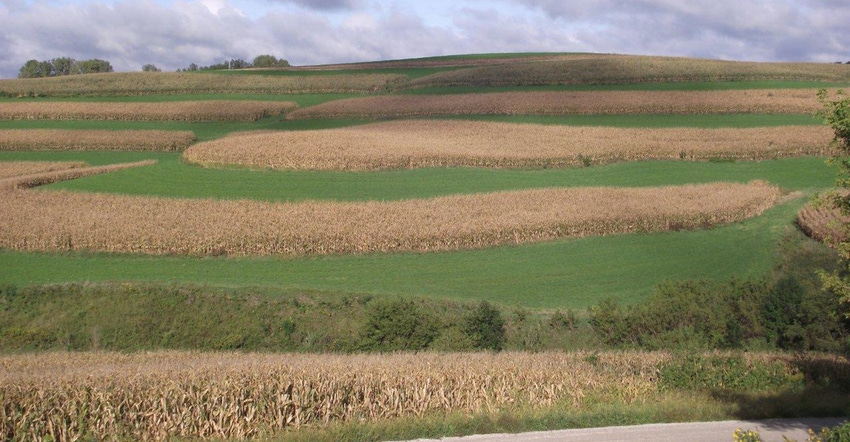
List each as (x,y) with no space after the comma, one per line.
(161,395)
(824,222)
(779,101)
(447,143)
(63,221)
(117,140)
(9,169)
(211,110)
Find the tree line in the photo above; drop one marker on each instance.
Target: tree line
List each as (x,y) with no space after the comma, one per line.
(63,66)
(68,66)
(260,61)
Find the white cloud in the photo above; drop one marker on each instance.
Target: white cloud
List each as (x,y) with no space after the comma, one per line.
(174,33)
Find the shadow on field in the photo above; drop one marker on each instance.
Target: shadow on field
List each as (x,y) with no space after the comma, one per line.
(823,390)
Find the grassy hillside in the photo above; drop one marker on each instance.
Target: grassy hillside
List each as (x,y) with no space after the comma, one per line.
(581,269)
(578,294)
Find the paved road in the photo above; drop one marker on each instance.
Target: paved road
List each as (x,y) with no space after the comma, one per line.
(770,430)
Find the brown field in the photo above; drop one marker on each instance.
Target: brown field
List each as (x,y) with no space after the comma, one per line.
(161,395)
(823,222)
(62,221)
(627,69)
(171,83)
(444,143)
(38,178)
(787,101)
(123,140)
(211,110)
(9,169)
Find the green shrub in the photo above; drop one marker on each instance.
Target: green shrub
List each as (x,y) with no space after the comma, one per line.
(396,325)
(485,327)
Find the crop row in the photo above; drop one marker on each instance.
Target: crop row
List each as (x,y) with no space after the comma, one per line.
(445,143)
(789,101)
(123,140)
(19,179)
(9,169)
(161,83)
(61,221)
(620,69)
(212,110)
(823,222)
(159,396)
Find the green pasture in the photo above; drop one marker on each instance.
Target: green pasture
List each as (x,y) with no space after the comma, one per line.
(172,177)
(560,274)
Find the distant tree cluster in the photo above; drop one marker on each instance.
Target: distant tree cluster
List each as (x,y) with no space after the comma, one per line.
(63,66)
(260,61)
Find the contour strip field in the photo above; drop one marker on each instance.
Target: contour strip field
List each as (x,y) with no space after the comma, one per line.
(446,143)
(211,110)
(62,221)
(783,101)
(116,140)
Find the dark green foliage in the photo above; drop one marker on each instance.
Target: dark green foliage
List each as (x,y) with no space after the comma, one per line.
(397,325)
(63,66)
(269,61)
(736,314)
(726,372)
(840,433)
(485,326)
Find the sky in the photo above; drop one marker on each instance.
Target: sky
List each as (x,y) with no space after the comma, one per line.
(173,34)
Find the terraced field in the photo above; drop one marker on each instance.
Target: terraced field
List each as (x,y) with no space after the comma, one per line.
(312,197)
(434,162)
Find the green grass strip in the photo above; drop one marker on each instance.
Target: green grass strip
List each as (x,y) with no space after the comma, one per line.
(171,177)
(561,274)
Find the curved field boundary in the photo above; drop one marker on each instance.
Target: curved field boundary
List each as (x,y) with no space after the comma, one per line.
(22,181)
(629,69)
(61,221)
(212,110)
(174,83)
(824,222)
(445,143)
(123,140)
(9,169)
(784,101)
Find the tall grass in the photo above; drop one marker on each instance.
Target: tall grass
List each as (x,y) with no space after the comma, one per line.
(444,143)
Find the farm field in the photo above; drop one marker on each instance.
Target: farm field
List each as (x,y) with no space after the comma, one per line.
(546,185)
(171,176)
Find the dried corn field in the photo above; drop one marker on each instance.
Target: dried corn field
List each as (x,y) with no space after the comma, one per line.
(823,222)
(117,140)
(442,143)
(627,69)
(157,396)
(780,101)
(9,169)
(211,110)
(20,179)
(62,221)
(173,83)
